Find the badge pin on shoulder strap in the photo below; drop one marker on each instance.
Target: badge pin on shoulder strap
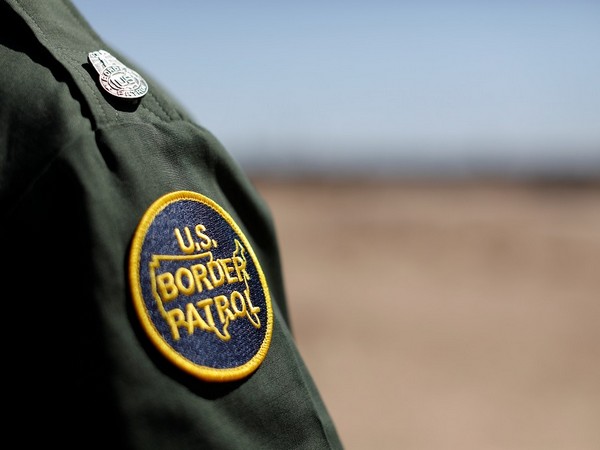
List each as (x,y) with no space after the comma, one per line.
(116,78)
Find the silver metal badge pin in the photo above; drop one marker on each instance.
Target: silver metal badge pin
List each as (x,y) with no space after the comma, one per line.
(116,78)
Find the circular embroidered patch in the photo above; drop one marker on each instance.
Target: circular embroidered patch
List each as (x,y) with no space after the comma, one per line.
(198,288)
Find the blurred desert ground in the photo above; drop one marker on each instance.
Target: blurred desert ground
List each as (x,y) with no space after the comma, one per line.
(457,314)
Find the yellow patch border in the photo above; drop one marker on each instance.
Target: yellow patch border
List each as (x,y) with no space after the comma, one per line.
(202,372)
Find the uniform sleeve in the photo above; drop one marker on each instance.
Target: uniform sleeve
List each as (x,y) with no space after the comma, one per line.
(150,307)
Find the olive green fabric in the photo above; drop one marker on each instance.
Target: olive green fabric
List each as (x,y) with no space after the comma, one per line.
(78,169)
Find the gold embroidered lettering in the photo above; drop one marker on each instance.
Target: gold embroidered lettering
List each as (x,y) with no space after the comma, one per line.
(240,268)
(185,248)
(237,298)
(217,278)
(175,319)
(226,309)
(212,315)
(185,288)
(206,242)
(165,283)
(206,304)
(200,274)
(194,320)
(222,304)
(252,311)
(228,269)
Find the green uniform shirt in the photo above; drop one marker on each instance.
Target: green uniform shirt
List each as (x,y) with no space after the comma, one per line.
(93,190)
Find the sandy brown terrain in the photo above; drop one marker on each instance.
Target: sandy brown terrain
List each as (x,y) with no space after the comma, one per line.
(447,315)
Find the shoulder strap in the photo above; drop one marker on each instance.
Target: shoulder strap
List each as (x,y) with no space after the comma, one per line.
(63,32)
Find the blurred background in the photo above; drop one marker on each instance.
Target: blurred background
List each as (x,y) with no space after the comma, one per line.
(442,159)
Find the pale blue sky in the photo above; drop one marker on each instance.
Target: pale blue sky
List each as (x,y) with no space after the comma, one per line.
(510,85)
